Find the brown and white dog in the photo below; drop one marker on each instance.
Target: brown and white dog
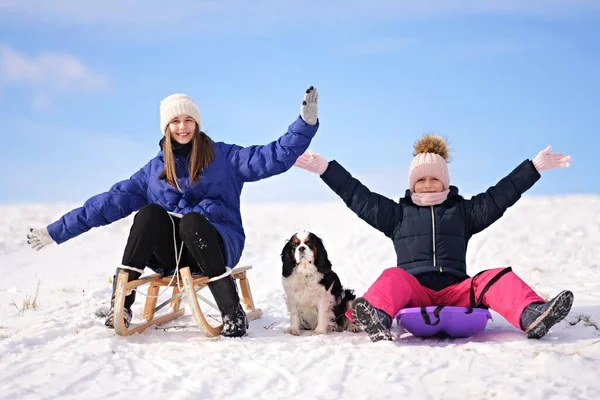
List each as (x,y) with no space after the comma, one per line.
(314,295)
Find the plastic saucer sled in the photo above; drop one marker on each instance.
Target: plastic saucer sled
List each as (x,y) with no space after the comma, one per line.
(455,322)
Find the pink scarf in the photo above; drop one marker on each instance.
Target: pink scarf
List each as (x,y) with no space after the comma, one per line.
(429,199)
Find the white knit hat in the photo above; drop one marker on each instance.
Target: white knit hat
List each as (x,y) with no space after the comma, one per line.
(175,105)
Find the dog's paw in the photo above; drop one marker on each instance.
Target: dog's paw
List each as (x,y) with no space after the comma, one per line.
(321,331)
(293,331)
(352,327)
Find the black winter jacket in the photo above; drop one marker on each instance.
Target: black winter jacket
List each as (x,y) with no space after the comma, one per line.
(431,239)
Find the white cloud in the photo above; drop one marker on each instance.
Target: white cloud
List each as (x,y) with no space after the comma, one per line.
(53,71)
(47,75)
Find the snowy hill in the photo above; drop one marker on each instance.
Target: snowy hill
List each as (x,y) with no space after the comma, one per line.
(60,350)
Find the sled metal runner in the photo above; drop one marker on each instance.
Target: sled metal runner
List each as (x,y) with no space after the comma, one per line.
(191,284)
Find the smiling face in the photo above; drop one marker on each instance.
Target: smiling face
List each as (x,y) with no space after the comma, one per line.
(182,129)
(429,184)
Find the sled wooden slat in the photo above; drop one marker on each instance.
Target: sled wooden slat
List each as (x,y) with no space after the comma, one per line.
(198,315)
(190,284)
(247,299)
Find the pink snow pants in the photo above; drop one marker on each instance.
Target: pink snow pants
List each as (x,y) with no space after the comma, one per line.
(396,289)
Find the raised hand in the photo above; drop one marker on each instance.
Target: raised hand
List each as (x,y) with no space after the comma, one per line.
(312,162)
(38,238)
(546,160)
(309,107)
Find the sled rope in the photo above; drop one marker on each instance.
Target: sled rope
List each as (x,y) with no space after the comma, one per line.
(177,259)
(176,274)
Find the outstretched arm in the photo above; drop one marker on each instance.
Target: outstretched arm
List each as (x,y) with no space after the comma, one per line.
(378,211)
(486,208)
(119,201)
(257,162)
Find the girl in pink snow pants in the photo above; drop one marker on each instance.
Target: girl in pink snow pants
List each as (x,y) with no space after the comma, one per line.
(430,228)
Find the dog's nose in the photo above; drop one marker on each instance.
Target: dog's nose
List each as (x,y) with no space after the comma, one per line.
(301,249)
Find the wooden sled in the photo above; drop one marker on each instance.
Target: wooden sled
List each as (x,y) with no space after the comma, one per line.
(191,285)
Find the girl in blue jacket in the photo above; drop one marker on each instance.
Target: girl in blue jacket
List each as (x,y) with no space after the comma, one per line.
(188,198)
(430,228)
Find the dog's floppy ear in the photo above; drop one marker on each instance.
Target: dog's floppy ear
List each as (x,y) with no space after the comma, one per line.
(287,259)
(322,261)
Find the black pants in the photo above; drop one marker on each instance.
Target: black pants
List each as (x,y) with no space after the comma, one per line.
(153,242)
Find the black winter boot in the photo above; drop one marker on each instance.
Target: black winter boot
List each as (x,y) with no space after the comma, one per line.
(372,320)
(129,300)
(235,322)
(538,318)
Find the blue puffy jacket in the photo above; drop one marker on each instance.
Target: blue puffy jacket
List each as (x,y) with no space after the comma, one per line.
(216,195)
(431,239)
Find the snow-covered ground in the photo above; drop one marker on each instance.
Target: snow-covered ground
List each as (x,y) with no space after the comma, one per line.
(60,349)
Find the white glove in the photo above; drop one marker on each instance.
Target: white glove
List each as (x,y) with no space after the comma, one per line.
(308,109)
(38,238)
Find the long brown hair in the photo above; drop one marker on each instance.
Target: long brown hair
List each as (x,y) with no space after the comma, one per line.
(201,155)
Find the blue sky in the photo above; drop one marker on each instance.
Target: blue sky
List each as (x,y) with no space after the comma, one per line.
(81,82)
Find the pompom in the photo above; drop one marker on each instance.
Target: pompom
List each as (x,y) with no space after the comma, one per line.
(430,143)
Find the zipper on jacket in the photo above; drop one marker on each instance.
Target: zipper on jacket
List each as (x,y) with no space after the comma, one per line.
(433,236)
